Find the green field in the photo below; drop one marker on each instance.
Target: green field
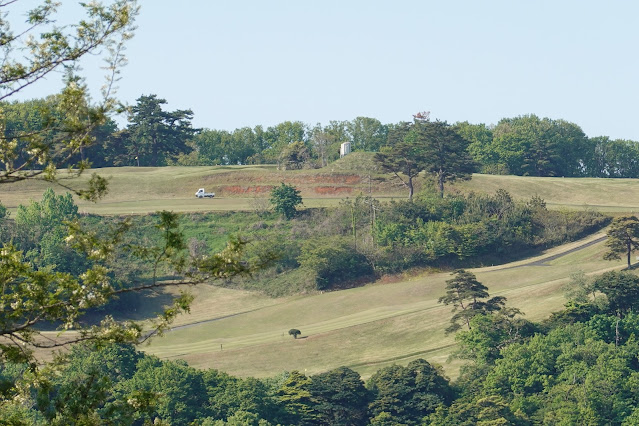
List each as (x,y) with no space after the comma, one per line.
(394,320)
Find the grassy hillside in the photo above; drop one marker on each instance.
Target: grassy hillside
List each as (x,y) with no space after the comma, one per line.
(136,190)
(364,328)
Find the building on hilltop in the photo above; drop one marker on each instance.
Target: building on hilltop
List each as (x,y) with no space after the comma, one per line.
(344,149)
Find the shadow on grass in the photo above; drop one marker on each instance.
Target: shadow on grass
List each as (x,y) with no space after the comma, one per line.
(136,306)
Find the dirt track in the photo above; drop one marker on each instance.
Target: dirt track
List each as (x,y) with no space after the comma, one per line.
(544,261)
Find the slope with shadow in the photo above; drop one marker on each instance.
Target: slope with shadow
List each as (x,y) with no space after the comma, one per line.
(368,327)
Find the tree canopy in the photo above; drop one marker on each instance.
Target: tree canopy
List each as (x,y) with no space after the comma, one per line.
(464,292)
(285,199)
(154,135)
(424,145)
(623,238)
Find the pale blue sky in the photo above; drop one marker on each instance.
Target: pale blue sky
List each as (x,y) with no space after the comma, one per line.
(242,63)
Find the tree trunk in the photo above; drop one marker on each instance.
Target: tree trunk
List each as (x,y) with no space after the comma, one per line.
(440,182)
(629,246)
(410,188)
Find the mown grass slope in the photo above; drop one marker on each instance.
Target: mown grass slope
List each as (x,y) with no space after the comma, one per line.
(364,328)
(139,190)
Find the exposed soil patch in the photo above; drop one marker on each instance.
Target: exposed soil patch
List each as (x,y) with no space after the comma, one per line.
(244,190)
(329,190)
(320,184)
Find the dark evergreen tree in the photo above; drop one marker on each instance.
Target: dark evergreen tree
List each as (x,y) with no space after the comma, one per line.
(155,135)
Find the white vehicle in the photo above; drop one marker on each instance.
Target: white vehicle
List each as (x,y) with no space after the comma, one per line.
(201,193)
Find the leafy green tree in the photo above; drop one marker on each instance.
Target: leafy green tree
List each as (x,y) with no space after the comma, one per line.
(568,376)
(29,299)
(340,397)
(604,157)
(580,288)
(367,134)
(294,156)
(623,238)
(480,138)
(445,152)
(488,334)
(230,396)
(464,292)
(408,393)
(434,147)
(212,146)
(337,132)
(285,199)
(156,135)
(295,396)
(179,389)
(294,332)
(5,225)
(528,145)
(41,232)
(278,137)
(490,410)
(621,289)
(321,142)
(85,388)
(333,260)
(404,155)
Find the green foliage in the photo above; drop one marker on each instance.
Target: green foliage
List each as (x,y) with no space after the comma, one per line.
(285,199)
(580,288)
(491,410)
(294,156)
(294,332)
(489,334)
(333,260)
(464,292)
(623,237)
(405,154)
(33,296)
(485,227)
(340,397)
(41,137)
(84,389)
(621,290)
(408,394)
(41,231)
(366,134)
(584,373)
(295,397)
(568,376)
(446,154)
(528,145)
(179,389)
(155,136)
(480,138)
(533,146)
(611,158)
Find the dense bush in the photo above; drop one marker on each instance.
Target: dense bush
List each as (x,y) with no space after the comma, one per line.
(333,260)
(476,227)
(328,248)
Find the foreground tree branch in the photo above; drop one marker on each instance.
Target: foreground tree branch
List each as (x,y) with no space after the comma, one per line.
(67,119)
(31,298)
